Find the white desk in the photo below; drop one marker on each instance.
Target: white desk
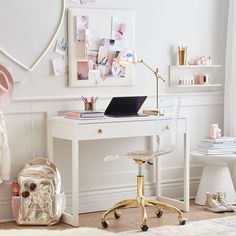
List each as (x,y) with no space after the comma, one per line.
(108,128)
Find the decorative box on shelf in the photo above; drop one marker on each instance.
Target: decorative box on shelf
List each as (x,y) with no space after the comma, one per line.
(206,77)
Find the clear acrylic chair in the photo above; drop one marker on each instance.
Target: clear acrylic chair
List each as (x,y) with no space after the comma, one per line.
(166,142)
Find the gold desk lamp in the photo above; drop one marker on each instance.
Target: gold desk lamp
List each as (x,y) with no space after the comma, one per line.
(129,58)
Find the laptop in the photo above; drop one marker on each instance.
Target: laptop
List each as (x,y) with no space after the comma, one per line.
(125,106)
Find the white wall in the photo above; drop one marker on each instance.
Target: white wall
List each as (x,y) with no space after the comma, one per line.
(160,26)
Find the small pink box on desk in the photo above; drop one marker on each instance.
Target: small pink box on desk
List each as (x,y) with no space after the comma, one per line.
(15,204)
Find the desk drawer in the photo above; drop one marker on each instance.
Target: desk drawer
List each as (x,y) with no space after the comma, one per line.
(116,130)
(165,125)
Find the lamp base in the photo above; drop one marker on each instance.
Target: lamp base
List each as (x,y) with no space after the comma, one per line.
(154,112)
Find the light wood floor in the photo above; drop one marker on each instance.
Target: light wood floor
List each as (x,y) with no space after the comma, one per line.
(131,219)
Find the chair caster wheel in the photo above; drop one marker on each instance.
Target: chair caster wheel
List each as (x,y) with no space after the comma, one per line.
(144,227)
(104,224)
(159,214)
(182,221)
(117,214)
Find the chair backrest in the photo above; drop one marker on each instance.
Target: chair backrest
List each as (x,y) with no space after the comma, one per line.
(167,137)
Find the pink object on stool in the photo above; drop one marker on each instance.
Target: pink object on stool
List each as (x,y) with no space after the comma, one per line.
(15,204)
(215,131)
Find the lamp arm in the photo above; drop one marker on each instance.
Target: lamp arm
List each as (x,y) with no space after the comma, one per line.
(144,63)
(156,72)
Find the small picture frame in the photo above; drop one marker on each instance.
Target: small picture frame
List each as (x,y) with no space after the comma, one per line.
(60,66)
(83,70)
(61,47)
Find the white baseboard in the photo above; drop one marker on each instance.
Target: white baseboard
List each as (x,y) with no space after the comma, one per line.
(103,199)
(5,210)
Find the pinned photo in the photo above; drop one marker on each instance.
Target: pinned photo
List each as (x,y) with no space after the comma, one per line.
(94,75)
(103,55)
(61,47)
(92,56)
(105,71)
(108,65)
(105,52)
(82,70)
(118,71)
(119,28)
(93,40)
(60,66)
(82,24)
(108,42)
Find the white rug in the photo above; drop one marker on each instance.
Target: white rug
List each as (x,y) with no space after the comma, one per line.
(67,232)
(225,226)
(215,227)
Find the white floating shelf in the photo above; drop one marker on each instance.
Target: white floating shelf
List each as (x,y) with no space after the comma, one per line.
(195,66)
(199,85)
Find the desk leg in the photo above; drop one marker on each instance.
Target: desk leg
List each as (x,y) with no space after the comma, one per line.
(73,219)
(186,169)
(183,205)
(157,170)
(75,181)
(158,177)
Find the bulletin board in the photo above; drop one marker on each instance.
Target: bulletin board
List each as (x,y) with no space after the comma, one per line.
(95,38)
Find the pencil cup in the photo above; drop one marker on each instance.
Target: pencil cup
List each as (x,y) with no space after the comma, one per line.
(182,53)
(89,106)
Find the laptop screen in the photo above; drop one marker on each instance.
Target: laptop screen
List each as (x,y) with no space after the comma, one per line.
(125,106)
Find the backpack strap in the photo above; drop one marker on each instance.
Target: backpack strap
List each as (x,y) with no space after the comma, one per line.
(42,161)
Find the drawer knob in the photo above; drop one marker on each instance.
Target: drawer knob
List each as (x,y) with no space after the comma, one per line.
(168,127)
(100,131)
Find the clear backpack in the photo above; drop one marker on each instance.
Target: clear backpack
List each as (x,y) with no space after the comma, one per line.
(42,200)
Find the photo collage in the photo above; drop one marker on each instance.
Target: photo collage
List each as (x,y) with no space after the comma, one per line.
(101,53)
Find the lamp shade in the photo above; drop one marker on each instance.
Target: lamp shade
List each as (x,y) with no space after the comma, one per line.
(127,58)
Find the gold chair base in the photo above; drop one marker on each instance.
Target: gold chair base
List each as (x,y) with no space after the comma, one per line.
(141,202)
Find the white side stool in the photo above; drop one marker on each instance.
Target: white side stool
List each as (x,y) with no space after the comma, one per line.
(215,176)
